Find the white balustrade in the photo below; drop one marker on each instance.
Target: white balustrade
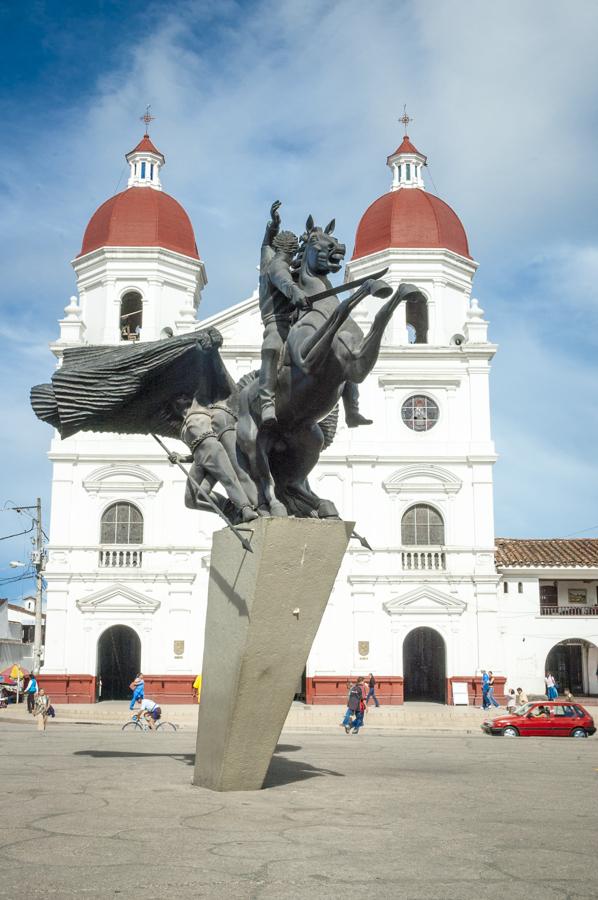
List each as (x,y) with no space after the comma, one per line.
(423,560)
(119,558)
(569,610)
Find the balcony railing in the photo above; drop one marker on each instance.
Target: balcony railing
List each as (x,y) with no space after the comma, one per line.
(119,558)
(569,610)
(423,560)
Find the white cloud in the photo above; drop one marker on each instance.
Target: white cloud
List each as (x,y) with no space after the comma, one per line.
(299,102)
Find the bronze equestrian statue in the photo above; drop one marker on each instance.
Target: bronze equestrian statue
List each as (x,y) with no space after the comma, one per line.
(261,438)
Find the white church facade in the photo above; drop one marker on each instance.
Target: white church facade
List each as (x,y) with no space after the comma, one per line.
(437,598)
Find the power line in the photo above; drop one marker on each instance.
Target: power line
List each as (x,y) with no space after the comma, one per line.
(583,531)
(16,578)
(17,533)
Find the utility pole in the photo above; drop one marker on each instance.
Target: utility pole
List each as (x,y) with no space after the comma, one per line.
(38,561)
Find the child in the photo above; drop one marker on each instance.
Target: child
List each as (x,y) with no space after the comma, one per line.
(511,701)
(521,697)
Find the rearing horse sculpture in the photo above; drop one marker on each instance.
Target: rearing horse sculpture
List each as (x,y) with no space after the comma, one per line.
(325,348)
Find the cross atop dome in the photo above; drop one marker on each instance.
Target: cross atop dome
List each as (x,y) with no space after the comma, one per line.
(147,118)
(406,163)
(404,119)
(145,160)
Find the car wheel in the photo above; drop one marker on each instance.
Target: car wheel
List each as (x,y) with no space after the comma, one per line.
(579,732)
(510,731)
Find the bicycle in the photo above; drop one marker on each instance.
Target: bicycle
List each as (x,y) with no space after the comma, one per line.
(137,723)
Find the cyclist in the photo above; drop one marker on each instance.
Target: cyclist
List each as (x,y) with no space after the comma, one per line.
(150,711)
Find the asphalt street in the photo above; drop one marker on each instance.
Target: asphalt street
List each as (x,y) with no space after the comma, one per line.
(89,811)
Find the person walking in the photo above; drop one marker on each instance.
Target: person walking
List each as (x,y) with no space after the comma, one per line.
(42,704)
(492,701)
(485,687)
(137,686)
(354,699)
(357,722)
(372,691)
(31,691)
(551,688)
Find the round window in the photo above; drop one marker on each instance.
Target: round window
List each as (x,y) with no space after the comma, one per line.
(419,413)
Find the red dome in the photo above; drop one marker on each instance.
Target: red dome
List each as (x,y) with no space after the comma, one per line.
(141,217)
(409,217)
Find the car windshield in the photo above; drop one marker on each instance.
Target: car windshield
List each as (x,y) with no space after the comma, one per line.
(522,710)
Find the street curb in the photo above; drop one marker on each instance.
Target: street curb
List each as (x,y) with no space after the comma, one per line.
(397,729)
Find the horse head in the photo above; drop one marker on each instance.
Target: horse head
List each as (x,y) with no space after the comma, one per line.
(319,251)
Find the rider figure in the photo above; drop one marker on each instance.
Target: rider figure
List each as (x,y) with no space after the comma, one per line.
(149,711)
(279,298)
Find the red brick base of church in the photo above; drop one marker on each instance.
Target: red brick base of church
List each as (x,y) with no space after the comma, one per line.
(320,689)
(332,689)
(82,688)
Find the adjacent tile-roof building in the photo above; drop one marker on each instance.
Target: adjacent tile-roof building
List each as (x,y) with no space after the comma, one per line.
(551,553)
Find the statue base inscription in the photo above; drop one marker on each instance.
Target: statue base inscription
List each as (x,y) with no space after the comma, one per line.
(264,609)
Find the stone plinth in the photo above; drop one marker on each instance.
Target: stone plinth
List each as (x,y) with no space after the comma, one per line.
(264,609)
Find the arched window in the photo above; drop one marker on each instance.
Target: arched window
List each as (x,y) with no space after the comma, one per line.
(122,523)
(422,525)
(416,312)
(131,312)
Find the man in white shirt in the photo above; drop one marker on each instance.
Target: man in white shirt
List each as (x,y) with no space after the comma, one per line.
(149,711)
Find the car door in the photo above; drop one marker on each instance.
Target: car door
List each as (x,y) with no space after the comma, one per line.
(528,723)
(560,719)
(546,723)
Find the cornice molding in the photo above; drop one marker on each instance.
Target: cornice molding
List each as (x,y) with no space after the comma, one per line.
(117,598)
(403,481)
(425,601)
(122,479)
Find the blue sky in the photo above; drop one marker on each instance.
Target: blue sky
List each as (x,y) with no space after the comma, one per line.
(256,100)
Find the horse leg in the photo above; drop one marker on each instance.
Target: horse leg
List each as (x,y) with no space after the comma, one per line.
(315,349)
(362,358)
(267,500)
(253,448)
(293,469)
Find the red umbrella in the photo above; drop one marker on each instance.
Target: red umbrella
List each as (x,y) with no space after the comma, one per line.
(12,673)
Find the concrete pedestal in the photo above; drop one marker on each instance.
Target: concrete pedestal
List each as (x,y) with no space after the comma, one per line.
(264,609)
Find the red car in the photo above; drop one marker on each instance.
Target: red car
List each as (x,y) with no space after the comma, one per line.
(551,718)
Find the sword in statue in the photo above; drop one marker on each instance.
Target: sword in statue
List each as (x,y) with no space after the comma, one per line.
(205,496)
(348,286)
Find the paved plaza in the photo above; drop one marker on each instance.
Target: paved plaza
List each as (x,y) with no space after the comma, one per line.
(92,812)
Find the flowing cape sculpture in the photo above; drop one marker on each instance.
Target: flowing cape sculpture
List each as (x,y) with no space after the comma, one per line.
(179,388)
(130,389)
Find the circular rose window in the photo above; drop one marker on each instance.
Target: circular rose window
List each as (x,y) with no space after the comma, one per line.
(419,413)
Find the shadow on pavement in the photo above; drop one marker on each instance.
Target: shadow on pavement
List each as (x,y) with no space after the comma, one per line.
(286,771)
(188,758)
(281,770)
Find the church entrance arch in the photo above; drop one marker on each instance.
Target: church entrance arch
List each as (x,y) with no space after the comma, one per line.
(424,666)
(570,664)
(119,661)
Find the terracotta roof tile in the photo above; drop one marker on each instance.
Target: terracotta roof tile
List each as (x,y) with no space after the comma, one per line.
(406,147)
(409,217)
(552,553)
(140,217)
(145,145)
